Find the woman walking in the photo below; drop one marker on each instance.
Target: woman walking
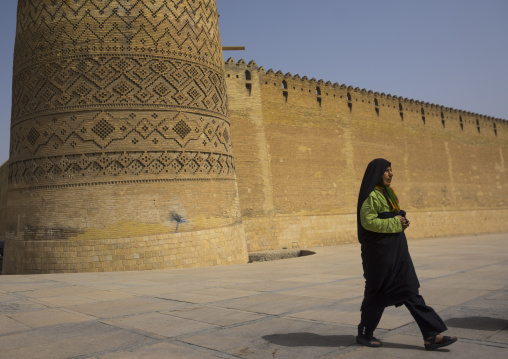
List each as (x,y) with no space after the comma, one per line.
(390,277)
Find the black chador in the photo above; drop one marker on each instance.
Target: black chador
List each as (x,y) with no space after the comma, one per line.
(390,277)
(387,266)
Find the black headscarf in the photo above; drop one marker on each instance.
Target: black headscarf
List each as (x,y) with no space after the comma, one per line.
(373,174)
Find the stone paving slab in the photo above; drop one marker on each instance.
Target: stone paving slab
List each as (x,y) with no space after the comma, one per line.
(162,350)
(160,324)
(18,304)
(64,301)
(124,307)
(8,325)
(306,307)
(69,341)
(274,303)
(208,295)
(216,316)
(333,291)
(49,317)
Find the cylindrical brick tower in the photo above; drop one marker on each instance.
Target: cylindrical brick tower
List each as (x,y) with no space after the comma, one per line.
(120,137)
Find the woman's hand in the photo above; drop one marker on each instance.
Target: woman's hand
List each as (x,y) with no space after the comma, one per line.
(404,222)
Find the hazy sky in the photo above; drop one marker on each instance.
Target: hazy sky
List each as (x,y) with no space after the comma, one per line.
(449,52)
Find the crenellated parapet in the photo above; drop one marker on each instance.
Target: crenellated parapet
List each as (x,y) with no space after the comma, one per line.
(356,99)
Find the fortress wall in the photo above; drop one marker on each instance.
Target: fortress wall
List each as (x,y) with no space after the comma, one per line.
(288,231)
(247,112)
(319,142)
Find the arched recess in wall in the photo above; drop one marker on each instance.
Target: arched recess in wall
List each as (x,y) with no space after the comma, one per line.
(285,90)
(461,123)
(376,106)
(248,79)
(442,119)
(423,116)
(401,112)
(495,129)
(318,95)
(478,125)
(349,102)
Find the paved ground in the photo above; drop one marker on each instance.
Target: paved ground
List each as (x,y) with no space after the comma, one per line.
(304,307)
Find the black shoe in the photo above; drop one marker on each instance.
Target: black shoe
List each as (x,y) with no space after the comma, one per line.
(443,343)
(369,342)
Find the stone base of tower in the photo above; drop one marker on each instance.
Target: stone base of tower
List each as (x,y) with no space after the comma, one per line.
(219,246)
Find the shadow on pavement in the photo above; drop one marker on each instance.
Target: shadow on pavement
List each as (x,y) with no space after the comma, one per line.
(407,346)
(478,323)
(316,340)
(310,340)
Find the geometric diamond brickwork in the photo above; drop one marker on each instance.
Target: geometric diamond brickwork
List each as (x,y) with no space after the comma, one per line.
(123,52)
(97,78)
(103,129)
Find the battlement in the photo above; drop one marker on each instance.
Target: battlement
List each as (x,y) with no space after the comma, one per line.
(350,95)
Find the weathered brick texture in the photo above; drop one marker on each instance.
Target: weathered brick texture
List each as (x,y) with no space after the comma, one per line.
(120,124)
(301,147)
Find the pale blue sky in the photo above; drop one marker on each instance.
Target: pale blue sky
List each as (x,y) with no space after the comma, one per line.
(448,52)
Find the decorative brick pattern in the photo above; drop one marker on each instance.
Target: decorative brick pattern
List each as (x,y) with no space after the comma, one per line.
(103,144)
(95,79)
(147,83)
(50,171)
(119,115)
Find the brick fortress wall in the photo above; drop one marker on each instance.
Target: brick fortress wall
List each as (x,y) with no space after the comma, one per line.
(301,147)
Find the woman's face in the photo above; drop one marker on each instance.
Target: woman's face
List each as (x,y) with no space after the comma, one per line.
(387,176)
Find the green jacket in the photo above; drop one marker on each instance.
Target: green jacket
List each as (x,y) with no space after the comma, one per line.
(374,204)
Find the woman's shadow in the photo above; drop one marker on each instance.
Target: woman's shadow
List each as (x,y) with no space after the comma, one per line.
(316,340)
(310,340)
